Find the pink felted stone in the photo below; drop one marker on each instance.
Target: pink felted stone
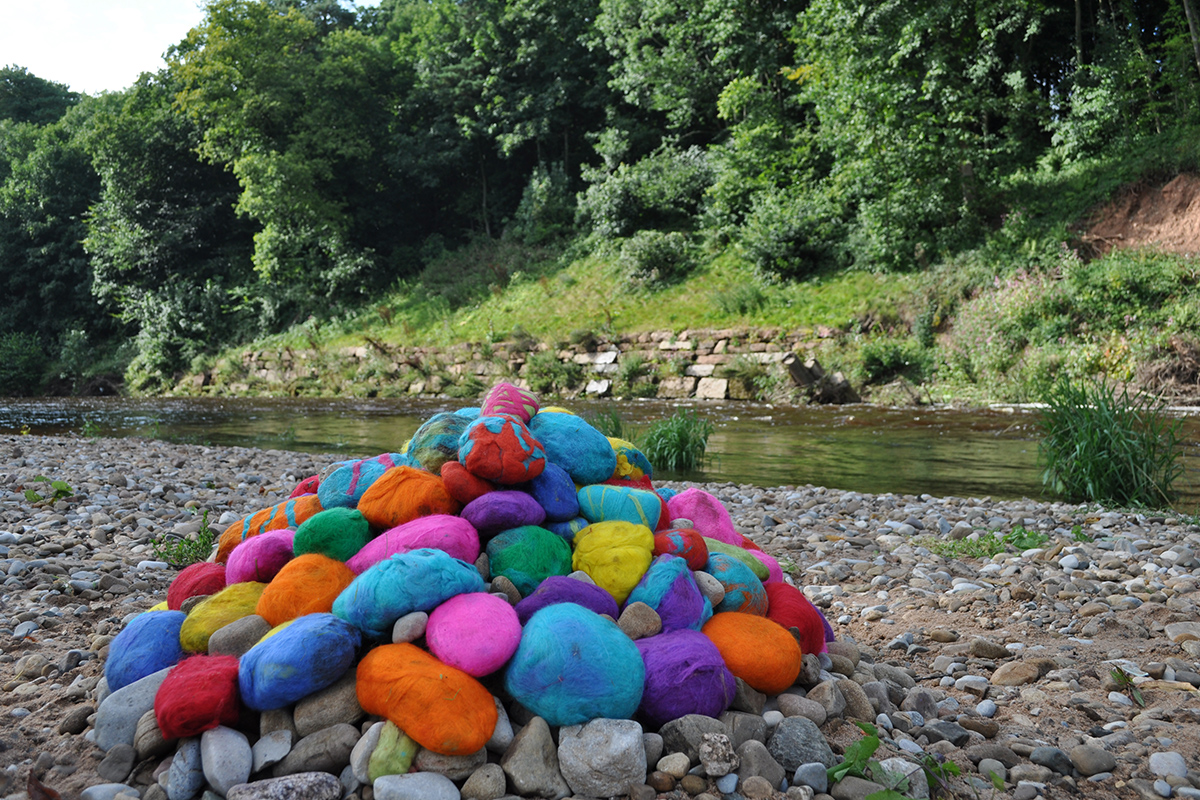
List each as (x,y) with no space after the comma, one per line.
(504,398)
(453,535)
(707,513)
(477,633)
(260,558)
(774,571)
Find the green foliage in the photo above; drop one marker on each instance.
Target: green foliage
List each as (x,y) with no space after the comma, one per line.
(985,545)
(757,380)
(885,358)
(61,491)
(677,443)
(610,423)
(789,236)
(856,758)
(632,370)
(1109,447)
(1125,683)
(740,300)
(547,375)
(181,551)
(650,257)
(662,191)
(547,208)
(22,364)
(24,97)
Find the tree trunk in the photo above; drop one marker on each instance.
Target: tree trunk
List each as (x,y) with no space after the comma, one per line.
(1078,33)
(1191,18)
(487,225)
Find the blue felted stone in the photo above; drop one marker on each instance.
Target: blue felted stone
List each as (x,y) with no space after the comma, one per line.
(670,589)
(527,556)
(296,659)
(502,450)
(436,441)
(574,445)
(632,463)
(149,642)
(574,665)
(469,413)
(744,592)
(419,580)
(503,509)
(665,493)
(346,484)
(606,503)
(555,492)
(562,589)
(568,529)
(685,674)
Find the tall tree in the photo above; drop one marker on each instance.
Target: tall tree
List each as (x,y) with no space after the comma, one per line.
(24,97)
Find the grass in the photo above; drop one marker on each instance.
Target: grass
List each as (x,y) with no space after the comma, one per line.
(986,545)
(181,551)
(677,443)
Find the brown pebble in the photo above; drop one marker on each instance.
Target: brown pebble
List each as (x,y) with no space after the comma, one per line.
(640,791)
(75,722)
(756,787)
(661,781)
(693,784)
(943,635)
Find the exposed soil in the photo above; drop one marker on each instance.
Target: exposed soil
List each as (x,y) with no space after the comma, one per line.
(1166,218)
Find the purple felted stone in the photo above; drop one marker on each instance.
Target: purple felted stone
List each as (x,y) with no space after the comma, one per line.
(563,589)
(453,535)
(260,558)
(685,674)
(502,510)
(670,589)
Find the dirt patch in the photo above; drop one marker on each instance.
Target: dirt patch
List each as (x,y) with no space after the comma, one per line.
(1165,218)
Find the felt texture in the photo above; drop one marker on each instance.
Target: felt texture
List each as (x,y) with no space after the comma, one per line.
(788,606)
(670,589)
(685,674)
(307,486)
(757,650)
(403,494)
(744,592)
(504,398)
(574,445)
(149,642)
(563,589)
(195,579)
(308,584)
(632,463)
(198,695)
(615,555)
(419,580)
(477,633)
(293,661)
(687,543)
(226,606)
(574,665)
(501,510)
(607,503)
(568,529)
(394,753)
(462,485)
(527,556)
(774,571)
(707,514)
(666,494)
(337,532)
(436,441)
(759,568)
(260,558)
(454,535)
(442,708)
(288,514)
(346,484)
(501,450)
(555,492)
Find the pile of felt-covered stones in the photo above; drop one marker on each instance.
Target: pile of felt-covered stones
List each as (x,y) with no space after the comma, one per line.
(486,565)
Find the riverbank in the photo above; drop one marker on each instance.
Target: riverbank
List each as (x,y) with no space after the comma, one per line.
(1013,654)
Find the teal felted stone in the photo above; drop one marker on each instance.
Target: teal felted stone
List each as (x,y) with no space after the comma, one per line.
(296,659)
(336,532)
(419,580)
(555,492)
(606,503)
(574,445)
(346,484)
(527,556)
(149,642)
(469,413)
(502,450)
(744,592)
(665,493)
(757,567)
(436,441)
(670,589)
(574,665)
(568,529)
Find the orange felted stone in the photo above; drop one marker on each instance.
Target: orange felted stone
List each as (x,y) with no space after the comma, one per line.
(441,708)
(307,584)
(402,494)
(757,650)
(288,514)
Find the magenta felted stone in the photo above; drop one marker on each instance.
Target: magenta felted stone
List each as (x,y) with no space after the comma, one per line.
(707,513)
(260,558)
(453,535)
(563,589)
(502,510)
(685,674)
(477,633)
(774,571)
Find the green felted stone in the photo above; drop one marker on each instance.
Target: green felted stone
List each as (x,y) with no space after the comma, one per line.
(393,755)
(528,555)
(757,567)
(336,532)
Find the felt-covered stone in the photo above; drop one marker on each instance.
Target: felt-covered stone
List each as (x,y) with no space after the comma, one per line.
(296,659)
(670,589)
(555,492)
(477,633)
(788,606)
(501,510)
(574,665)
(506,399)
(403,494)
(527,556)
(757,650)
(632,463)
(502,450)
(288,514)
(744,592)
(562,589)
(345,485)
(260,558)
(774,571)
(759,568)
(454,535)
(707,513)
(193,580)
(685,674)
(226,606)
(419,580)
(436,441)
(574,445)
(441,707)
(197,695)
(687,543)
(336,532)
(308,584)
(568,529)
(307,486)
(666,494)
(462,485)
(615,555)
(607,503)
(149,642)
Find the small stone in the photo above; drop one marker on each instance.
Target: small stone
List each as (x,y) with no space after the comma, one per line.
(416,786)
(943,635)
(793,705)
(757,787)
(981,647)
(410,627)
(118,763)
(693,784)
(1090,760)
(485,783)
(227,758)
(1168,764)
(639,621)
(674,764)
(851,788)
(1052,757)
(1015,673)
(717,755)
(603,757)
(815,775)
(990,766)
(272,748)
(238,636)
(76,720)
(301,786)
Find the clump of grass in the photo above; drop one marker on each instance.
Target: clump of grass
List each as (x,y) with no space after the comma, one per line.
(677,443)
(1101,446)
(610,423)
(181,551)
(986,545)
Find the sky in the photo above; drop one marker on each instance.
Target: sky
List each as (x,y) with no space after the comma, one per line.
(94,46)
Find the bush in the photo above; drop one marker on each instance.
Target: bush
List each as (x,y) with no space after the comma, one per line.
(664,190)
(546,374)
(22,364)
(678,442)
(1106,447)
(547,208)
(757,380)
(651,257)
(789,237)
(884,359)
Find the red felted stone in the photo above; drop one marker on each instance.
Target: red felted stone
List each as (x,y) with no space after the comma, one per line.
(687,543)
(199,694)
(197,579)
(462,485)
(747,544)
(402,494)
(306,486)
(501,449)
(788,606)
(633,483)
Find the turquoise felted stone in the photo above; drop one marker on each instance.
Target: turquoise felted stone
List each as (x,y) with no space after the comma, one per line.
(670,589)
(502,450)
(527,556)
(744,592)
(574,445)
(436,441)
(555,492)
(757,567)
(336,532)
(606,503)
(420,580)
(149,642)
(296,659)
(345,486)
(574,665)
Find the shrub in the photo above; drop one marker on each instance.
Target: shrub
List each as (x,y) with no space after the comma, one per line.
(181,551)
(757,380)
(664,190)
(547,208)
(743,299)
(546,373)
(785,236)
(22,364)
(886,358)
(1106,447)
(651,257)
(677,443)
(631,372)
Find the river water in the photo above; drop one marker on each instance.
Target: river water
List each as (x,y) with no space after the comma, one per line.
(964,453)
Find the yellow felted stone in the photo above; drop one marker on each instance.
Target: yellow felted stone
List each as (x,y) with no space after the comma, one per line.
(615,554)
(556,410)
(226,606)
(160,607)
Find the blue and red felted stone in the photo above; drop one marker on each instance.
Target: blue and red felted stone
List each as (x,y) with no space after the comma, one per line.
(501,450)
(687,543)
(744,592)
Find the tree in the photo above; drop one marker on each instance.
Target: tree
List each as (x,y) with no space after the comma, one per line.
(24,97)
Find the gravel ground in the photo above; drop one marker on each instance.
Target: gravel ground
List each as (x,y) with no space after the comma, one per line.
(1009,658)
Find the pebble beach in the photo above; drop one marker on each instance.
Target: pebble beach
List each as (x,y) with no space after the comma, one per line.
(1071,668)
